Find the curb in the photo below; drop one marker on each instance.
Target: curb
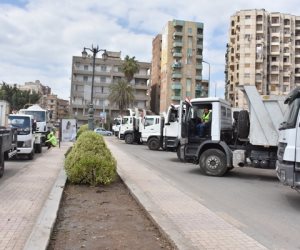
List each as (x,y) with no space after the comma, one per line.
(40,236)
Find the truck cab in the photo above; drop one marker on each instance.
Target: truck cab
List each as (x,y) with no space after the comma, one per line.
(288,154)
(28,141)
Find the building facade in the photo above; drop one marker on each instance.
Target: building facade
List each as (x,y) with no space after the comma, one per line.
(107,71)
(263,50)
(155,74)
(180,62)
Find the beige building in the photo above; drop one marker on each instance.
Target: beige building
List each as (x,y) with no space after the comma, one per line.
(263,50)
(180,63)
(107,71)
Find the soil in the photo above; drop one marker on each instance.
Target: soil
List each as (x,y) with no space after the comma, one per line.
(104,217)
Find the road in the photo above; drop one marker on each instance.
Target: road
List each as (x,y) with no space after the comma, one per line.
(251,199)
(13,167)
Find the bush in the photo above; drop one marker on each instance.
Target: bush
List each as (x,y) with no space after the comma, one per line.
(82,128)
(90,161)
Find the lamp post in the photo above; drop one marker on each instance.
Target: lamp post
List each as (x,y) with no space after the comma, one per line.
(208,73)
(91,106)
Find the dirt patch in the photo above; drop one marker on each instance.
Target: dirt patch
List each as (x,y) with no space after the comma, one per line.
(105,217)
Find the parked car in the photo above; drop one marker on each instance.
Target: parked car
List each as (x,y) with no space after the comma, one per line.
(103,131)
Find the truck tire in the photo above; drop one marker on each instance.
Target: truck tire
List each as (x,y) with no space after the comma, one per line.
(129,139)
(31,155)
(212,162)
(2,166)
(153,144)
(243,124)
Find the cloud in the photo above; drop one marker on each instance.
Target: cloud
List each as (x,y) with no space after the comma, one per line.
(39,37)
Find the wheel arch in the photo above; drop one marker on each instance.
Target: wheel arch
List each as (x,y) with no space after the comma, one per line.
(216,145)
(152,136)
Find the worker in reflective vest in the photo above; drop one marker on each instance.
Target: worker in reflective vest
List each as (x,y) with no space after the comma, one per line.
(51,140)
(205,122)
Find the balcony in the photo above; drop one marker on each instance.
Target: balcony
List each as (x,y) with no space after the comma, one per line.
(199,46)
(200,36)
(198,56)
(178,23)
(176,65)
(176,75)
(177,44)
(198,66)
(177,54)
(198,78)
(177,33)
(176,98)
(176,85)
(198,88)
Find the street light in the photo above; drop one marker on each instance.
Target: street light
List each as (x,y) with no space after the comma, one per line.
(91,106)
(208,73)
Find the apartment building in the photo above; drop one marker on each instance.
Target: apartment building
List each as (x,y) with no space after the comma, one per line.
(263,50)
(107,71)
(63,108)
(180,54)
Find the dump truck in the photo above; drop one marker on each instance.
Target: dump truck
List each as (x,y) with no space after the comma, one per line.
(240,139)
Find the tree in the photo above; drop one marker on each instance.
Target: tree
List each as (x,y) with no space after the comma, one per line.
(130,67)
(121,93)
(17,98)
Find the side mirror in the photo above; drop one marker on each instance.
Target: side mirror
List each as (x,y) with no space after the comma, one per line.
(33,125)
(167,123)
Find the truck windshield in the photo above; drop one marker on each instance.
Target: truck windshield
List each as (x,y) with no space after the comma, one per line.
(290,117)
(39,116)
(125,121)
(22,124)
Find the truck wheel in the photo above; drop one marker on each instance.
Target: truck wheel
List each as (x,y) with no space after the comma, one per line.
(129,139)
(2,166)
(31,155)
(213,162)
(243,124)
(153,144)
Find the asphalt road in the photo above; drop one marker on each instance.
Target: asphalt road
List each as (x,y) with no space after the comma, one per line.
(251,199)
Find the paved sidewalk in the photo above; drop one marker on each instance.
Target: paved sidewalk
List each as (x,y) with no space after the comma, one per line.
(24,195)
(188,223)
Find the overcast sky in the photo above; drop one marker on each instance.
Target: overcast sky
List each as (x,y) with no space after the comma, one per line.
(39,37)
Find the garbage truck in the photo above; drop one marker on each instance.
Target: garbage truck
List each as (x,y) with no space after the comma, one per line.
(231,139)
(42,118)
(288,154)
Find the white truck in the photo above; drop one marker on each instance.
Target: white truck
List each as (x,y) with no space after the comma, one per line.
(28,141)
(246,140)
(288,154)
(42,118)
(116,125)
(165,134)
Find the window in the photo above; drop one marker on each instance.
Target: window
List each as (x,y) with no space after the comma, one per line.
(247,17)
(102,79)
(103,68)
(86,67)
(85,78)
(188,87)
(190,30)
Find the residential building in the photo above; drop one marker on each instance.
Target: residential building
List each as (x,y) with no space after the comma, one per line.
(63,108)
(180,62)
(107,71)
(51,101)
(263,50)
(155,74)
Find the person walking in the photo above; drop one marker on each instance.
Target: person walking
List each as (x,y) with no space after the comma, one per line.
(51,140)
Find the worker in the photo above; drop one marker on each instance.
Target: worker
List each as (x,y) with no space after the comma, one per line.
(205,122)
(51,140)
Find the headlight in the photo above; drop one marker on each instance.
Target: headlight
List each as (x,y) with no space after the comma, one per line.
(27,144)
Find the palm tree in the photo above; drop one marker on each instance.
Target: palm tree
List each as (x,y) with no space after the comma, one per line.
(130,67)
(121,93)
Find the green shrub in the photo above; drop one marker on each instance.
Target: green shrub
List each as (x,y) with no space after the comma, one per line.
(82,128)
(90,161)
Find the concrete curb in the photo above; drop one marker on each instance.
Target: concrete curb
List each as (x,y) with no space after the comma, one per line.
(40,236)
